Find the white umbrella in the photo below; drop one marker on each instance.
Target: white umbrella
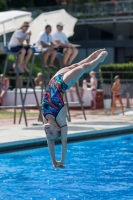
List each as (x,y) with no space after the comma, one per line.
(52,18)
(12,20)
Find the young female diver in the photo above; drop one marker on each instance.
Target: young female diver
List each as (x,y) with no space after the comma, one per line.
(53,107)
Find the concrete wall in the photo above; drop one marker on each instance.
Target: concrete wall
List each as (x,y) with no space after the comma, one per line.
(30,99)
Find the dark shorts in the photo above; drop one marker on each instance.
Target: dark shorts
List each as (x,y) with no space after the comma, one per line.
(60,49)
(18,48)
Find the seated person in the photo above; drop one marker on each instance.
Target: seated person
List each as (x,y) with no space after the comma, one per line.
(16,45)
(45,40)
(4,87)
(38,80)
(68,49)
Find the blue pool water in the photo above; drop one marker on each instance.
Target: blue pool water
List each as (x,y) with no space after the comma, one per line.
(95,170)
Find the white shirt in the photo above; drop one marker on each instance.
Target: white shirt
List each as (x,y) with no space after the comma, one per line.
(43,37)
(59,35)
(14,39)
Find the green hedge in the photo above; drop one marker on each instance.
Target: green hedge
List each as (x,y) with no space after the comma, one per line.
(3,5)
(125,70)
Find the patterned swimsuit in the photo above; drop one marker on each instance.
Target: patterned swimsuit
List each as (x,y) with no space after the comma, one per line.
(52,101)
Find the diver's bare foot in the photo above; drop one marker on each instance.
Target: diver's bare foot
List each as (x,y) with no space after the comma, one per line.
(102,56)
(58,165)
(99,51)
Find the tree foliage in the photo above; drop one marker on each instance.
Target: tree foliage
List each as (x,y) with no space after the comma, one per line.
(43,3)
(20,3)
(30,3)
(3,5)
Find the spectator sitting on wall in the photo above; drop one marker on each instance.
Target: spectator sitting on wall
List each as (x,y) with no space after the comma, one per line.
(4,85)
(38,80)
(68,49)
(16,45)
(45,40)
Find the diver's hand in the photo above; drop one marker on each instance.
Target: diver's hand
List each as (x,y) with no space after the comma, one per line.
(58,164)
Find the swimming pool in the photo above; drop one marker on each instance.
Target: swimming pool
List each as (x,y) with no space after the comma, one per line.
(96,170)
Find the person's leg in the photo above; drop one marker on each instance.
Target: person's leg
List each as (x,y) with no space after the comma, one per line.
(52,57)
(72,76)
(120,100)
(22,55)
(88,59)
(45,58)
(94,99)
(113,105)
(67,53)
(93,56)
(72,56)
(27,57)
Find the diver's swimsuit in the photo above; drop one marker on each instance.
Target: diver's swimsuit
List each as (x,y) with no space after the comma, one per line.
(52,101)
